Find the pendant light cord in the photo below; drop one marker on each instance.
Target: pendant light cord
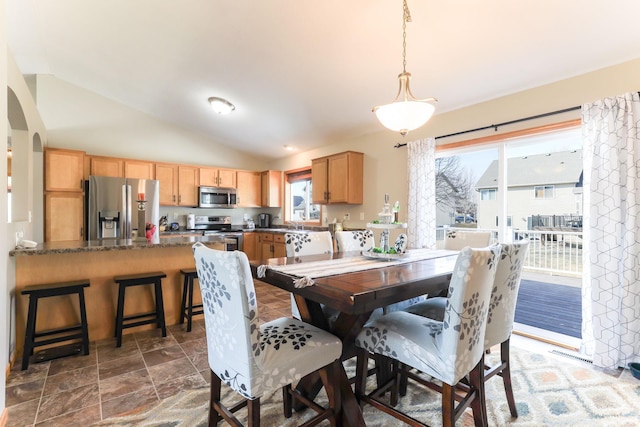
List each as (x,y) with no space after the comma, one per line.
(406,17)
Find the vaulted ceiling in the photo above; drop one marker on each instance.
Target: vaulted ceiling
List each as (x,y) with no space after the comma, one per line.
(305,72)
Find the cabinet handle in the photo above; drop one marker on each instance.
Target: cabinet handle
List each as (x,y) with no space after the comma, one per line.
(174,198)
(81,232)
(81,186)
(180,199)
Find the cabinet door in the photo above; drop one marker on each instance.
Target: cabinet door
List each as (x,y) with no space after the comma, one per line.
(249,190)
(249,245)
(106,166)
(227,178)
(64,216)
(271,182)
(167,175)
(208,177)
(187,186)
(64,170)
(338,178)
(138,169)
(279,247)
(319,179)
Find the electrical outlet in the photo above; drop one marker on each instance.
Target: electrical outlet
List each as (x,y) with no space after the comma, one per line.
(361,216)
(347,216)
(175,215)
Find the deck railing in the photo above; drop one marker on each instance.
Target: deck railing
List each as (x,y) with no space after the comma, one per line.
(553,252)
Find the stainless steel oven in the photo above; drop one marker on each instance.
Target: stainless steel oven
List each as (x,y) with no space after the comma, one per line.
(221,227)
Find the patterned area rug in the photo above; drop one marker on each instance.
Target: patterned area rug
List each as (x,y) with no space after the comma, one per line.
(550,390)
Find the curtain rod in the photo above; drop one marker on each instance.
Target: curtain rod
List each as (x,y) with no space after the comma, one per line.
(552,113)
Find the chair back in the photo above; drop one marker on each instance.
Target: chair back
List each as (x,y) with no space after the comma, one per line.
(504,294)
(465,317)
(231,317)
(357,240)
(312,243)
(456,239)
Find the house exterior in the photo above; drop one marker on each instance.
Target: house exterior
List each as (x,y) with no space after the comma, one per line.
(538,185)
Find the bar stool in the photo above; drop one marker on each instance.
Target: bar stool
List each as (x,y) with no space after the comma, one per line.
(187,309)
(155,316)
(75,332)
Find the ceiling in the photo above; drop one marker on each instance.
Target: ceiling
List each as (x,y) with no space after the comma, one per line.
(308,72)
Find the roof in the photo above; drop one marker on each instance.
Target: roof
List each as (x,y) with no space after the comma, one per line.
(564,167)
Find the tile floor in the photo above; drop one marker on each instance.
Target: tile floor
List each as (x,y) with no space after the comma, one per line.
(110,381)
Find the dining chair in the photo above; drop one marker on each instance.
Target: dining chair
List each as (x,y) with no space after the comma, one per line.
(447,350)
(254,359)
(457,239)
(502,309)
(302,244)
(355,240)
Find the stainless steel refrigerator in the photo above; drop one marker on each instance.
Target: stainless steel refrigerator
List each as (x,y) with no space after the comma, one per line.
(113,208)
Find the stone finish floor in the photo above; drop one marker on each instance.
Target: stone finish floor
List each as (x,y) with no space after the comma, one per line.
(110,381)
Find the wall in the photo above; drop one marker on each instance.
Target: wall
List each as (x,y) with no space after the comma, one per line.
(4,320)
(385,167)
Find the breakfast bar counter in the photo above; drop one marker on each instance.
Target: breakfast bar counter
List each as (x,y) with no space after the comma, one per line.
(100,261)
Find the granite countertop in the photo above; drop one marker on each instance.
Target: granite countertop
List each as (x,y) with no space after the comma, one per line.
(112,245)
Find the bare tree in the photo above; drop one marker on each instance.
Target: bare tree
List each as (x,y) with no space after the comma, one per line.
(454,186)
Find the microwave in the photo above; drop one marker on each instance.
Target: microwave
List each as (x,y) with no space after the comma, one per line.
(217,197)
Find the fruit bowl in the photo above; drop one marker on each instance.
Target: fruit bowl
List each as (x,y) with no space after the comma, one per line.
(635,369)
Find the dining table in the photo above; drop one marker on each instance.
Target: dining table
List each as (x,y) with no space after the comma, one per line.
(351,286)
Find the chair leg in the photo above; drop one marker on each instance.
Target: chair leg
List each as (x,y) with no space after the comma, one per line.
(253,415)
(27,350)
(190,306)
(184,298)
(361,374)
(506,378)
(479,403)
(120,314)
(448,406)
(330,376)
(216,386)
(160,307)
(287,400)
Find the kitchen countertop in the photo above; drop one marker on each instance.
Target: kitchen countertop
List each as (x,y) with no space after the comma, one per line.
(111,245)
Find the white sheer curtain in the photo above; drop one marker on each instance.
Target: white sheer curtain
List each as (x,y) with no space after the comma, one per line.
(421,210)
(611,279)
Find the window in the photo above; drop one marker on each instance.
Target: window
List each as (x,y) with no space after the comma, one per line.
(488,194)
(299,206)
(543,191)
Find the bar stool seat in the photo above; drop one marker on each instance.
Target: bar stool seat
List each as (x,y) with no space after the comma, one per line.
(69,333)
(188,309)
(155,316)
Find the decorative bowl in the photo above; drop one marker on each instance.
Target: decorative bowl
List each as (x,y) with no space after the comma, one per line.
(635,369)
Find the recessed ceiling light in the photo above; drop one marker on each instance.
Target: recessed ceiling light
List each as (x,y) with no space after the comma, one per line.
(221,105)
(289,147)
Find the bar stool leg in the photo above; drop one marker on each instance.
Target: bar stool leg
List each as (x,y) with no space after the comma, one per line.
(84,323)
(185,286)
(160,307)
(27,351)
(190,313)
(120,315)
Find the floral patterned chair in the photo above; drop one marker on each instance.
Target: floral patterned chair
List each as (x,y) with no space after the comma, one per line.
(456,239)
(502,309)
(447,350)
(302,244)
(256,359)
(356,240)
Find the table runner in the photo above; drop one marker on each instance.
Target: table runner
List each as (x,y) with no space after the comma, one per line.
(307,271)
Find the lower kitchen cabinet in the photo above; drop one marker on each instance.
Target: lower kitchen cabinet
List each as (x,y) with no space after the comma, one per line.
(271,245)
(249,245)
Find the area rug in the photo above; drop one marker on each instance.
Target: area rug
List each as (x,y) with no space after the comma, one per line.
(550,390)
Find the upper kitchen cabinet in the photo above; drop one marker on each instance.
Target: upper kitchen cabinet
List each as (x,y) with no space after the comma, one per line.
(271,184)
(214,177)
(106,166)
(338,178)
(178,184)
(63,170)
(138,169)
(249,189)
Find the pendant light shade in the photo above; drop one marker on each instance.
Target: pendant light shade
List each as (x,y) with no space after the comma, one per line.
(405,113)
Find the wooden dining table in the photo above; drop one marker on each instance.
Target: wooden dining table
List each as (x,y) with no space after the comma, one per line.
(354,296)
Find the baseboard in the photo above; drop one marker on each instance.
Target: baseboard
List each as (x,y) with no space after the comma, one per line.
(545,340)
(4,419)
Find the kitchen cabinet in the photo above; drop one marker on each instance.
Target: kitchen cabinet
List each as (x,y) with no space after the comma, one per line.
(106,166)
(249,244)
(271,184)
(249,189)
(64,216)
(63,170)
(178,184)
(138,169)
(338,178)
(214,177)
(271,245)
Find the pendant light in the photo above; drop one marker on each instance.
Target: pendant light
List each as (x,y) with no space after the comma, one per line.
(405,113)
